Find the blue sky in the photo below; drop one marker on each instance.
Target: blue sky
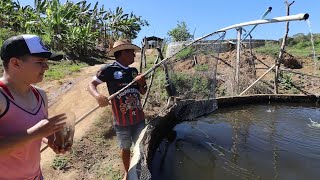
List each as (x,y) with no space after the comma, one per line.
(206,16)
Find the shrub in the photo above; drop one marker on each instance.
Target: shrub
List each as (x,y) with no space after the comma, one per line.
(269,49)
(185,53)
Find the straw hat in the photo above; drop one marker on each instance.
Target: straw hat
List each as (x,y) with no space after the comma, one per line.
(122,44)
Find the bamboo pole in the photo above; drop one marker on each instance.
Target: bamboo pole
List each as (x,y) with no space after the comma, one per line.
(257,80)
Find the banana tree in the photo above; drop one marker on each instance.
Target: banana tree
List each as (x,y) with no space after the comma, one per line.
(8,14)
(80,41)
(123,25)
(5,11)
(69,26)
(56,20)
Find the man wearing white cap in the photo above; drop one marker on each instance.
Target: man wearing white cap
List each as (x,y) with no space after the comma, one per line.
(24,108)
(127,110)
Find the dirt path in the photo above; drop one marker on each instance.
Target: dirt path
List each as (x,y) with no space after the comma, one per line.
(72,97)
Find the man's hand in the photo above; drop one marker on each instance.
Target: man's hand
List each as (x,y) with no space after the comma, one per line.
(102,100)
(61,142)
(141,80)
(57,148)
(46,127)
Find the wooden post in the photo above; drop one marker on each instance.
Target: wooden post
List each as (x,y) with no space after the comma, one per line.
(195,61)
(141,58)
(236,76)
(284,41)
(253,65)
(143,54)
(145,43)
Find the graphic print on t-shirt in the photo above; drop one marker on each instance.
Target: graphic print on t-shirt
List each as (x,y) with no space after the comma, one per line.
(126,106)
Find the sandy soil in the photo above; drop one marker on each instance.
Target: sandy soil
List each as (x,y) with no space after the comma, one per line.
(71,97)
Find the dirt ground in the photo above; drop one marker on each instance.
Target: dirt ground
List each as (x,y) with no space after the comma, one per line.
(70,95)
(95,153)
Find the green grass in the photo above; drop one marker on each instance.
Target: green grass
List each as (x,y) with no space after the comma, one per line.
(185,53)
(108,173)
(269,49)
(301,49)
(297,51)
(202,67)
(60,162)
(303,52)
(59,70)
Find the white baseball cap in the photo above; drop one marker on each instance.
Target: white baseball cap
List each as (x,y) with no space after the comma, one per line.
(26,44)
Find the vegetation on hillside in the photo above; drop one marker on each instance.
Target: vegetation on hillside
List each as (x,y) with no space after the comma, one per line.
(299,45)
(75,28)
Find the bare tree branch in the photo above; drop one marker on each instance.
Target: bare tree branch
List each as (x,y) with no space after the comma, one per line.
(282,49)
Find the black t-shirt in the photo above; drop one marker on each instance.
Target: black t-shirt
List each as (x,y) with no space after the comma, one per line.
(126,106)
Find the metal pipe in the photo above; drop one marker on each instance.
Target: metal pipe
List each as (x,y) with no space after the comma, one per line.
(262,17)
(297,17)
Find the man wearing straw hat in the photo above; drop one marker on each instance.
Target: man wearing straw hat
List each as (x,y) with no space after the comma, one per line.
(128,114)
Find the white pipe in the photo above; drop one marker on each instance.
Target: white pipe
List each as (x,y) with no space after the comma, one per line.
(262,17)
(297,17)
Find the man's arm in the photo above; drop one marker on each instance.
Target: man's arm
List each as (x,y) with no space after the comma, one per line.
(101,99)
(42,129)
(141,80)
(49,140)
(143,88)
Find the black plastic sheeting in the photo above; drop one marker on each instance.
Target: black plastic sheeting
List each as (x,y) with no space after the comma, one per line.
(161,126)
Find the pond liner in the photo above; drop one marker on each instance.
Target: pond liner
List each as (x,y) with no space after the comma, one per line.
(161,126)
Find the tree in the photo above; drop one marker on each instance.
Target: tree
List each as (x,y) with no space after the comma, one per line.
(123,25)
(74,28)
(180,33)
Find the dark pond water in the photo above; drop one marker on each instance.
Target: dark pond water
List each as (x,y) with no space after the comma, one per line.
(250,142)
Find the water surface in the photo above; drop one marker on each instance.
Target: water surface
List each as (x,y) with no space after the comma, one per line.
(274,141)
